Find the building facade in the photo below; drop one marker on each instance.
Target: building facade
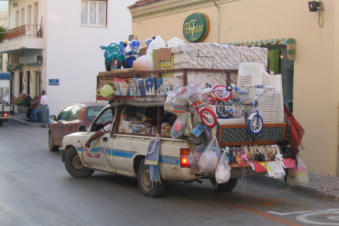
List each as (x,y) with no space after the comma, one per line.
(303,46)
(54,45)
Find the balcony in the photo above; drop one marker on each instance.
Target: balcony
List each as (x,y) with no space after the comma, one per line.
(23,37)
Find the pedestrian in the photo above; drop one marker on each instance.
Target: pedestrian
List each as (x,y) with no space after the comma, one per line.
(28,101)
(44,109)
(36,110)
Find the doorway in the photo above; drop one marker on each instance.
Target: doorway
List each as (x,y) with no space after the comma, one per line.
(21,82)
(28,83)
(38,83)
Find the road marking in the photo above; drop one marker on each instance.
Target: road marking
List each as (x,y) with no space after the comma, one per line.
(302,216)
(264,214)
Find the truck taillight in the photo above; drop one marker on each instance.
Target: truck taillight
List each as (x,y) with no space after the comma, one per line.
(184,162)
(5,114)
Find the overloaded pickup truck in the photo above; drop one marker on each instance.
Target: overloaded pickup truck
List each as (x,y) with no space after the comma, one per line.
(136,121)
(6,108)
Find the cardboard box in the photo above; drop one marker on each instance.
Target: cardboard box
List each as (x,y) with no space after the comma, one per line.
(163,59)
(142,51)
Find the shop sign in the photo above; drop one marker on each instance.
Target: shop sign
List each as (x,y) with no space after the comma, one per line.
(196,27)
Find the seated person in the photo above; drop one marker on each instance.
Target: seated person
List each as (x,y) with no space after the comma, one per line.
(106,129)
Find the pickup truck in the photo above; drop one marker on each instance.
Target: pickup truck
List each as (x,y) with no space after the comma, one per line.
(6,108)
(122,151)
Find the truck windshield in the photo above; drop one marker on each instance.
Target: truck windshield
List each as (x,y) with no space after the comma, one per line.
(92,112)
(4,95)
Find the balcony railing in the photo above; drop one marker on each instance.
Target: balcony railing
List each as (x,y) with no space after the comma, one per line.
(34,31)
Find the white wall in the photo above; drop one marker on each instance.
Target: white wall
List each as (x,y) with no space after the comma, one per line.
(73,54)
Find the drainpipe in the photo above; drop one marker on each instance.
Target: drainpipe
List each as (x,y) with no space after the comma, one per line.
(219,20)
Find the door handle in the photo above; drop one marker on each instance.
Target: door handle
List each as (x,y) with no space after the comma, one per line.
(105,139)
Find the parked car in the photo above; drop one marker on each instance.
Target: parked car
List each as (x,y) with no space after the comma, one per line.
(74,118)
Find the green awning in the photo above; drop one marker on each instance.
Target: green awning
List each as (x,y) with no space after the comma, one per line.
(290,44)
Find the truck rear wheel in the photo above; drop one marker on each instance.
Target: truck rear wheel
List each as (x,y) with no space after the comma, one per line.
(145,184)
(1,122)
(229,186)
(73,164)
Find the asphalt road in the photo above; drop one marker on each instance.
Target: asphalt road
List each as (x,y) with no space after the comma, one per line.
(35,189)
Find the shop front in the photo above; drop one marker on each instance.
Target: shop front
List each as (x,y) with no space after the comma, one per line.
(301,46)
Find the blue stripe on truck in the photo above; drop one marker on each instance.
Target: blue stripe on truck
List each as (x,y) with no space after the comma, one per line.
(129,154)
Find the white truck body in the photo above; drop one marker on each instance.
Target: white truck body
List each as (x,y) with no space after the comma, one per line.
(6,109)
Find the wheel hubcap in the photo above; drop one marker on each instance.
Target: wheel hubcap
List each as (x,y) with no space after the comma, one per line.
(146,180)
(76,162)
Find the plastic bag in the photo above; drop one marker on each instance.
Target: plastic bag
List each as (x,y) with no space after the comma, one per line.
(209,159)
(299,174)
(143,63)
(223,171)
(106,91)
(179,126)
(175,42)
(176,102)
(157,43)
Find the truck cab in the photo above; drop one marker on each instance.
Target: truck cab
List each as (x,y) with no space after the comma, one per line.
(6,108)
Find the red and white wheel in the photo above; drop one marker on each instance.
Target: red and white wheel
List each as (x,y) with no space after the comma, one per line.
(221,93)
(208,117)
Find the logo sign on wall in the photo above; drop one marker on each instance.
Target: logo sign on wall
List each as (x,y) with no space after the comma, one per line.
(53,82)
(196,27)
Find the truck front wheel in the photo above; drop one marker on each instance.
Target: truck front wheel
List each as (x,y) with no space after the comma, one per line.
(73,164)
(146,186)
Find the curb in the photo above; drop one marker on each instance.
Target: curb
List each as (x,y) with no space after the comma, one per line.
(299,188)
(25,122)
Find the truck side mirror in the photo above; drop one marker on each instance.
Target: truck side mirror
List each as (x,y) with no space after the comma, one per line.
(53,117)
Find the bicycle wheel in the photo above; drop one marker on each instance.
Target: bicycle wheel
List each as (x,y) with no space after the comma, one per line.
(255,123)
(208,117)
(221,93)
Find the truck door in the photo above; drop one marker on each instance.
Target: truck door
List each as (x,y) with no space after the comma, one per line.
(99,154)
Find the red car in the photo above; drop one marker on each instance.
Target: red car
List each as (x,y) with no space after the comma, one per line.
(74,118)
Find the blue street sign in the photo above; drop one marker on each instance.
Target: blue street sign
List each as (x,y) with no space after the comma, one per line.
(53,82)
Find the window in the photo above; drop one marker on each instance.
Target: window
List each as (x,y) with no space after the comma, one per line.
(17,18)
(94,12)
(23,16)
(36,13)
(92,112)
(64,114)
(105,118)
(29,15)
(74,113)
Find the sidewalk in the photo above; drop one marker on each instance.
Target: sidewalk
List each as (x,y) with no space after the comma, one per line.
(21,117)
(319,185)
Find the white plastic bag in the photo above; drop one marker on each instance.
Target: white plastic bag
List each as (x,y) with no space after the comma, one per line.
(209,159)
(298,175)
(157,43)
(179,126)
(143,63)
(223,171)
(175,42)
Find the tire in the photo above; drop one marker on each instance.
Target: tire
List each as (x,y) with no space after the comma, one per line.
(73,164)
(145,184)
(255,123)
(1,122)
(51,147)
(229,186)
(208,117)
